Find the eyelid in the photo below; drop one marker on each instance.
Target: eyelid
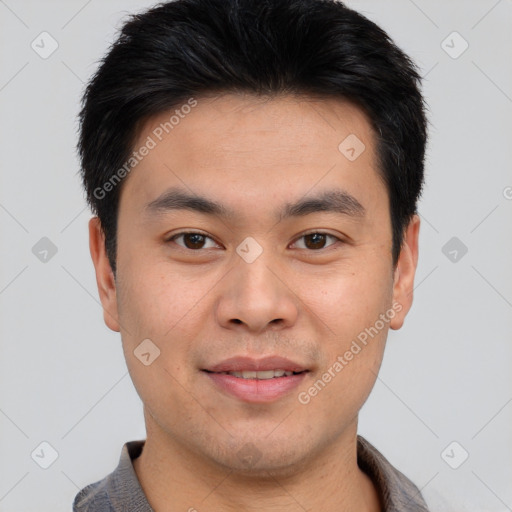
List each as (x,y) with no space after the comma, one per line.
(319,232)
(310,232)
(192,232)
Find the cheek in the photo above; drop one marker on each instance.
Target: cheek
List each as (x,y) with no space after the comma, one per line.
(350,306)
(162,309)
(352,298)
(154,302)
(159,303)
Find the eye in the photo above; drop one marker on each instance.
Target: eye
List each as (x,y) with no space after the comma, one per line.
(193,240)
(316,240)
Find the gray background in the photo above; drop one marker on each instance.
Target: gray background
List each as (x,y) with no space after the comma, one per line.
(446,375)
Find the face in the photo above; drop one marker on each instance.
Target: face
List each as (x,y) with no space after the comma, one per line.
(254,252)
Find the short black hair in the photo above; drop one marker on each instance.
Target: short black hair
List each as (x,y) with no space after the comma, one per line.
(183,49)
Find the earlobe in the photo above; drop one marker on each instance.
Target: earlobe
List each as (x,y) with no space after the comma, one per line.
(104,275)
(405,271)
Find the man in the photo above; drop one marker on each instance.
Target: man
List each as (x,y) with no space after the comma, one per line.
(255,167)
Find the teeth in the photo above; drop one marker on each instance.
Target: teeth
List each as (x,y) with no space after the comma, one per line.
(268,374)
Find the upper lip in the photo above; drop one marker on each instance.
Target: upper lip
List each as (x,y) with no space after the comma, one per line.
(244,363)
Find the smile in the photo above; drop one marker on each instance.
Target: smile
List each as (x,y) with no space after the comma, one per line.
(261,375)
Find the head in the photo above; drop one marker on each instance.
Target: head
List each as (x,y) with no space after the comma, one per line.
(288,137)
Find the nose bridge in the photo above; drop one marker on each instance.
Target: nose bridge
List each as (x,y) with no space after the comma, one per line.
(254,294)
(256,282)
(254,263)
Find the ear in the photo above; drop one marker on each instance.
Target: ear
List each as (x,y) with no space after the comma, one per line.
(403,285)
(104,276)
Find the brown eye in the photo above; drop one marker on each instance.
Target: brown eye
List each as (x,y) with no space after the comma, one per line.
(193,241)
(316,241)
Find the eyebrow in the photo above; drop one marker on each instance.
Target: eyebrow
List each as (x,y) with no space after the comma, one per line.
(336,201)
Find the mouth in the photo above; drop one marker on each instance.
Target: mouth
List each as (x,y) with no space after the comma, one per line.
(245,365)
(262,375)
(256,380)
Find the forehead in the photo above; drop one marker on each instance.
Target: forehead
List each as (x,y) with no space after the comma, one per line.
(231,124)
(253,147)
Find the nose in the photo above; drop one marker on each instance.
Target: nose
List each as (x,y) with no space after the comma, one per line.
(255,297)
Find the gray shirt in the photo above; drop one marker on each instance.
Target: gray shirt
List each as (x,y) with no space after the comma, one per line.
(121,491)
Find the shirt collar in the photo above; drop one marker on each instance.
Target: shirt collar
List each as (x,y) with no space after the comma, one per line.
(121,490)
(396,491)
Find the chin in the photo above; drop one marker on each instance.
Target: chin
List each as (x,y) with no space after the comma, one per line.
(260,458)
(265,467)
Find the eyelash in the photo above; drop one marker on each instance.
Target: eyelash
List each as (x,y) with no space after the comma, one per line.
(177,235)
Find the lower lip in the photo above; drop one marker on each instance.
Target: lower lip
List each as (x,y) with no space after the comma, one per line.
(256,390)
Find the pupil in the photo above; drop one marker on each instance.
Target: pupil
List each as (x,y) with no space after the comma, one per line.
(318,240)
(196,240)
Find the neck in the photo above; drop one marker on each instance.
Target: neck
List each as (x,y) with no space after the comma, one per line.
(174,478)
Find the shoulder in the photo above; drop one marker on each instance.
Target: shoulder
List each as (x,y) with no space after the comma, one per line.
(397,492)
(94,497)
(118,491)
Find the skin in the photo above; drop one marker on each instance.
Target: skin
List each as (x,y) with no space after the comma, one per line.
(201,306)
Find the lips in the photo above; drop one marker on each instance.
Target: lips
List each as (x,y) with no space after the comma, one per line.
(263,375)
(248,364)
(256,380)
